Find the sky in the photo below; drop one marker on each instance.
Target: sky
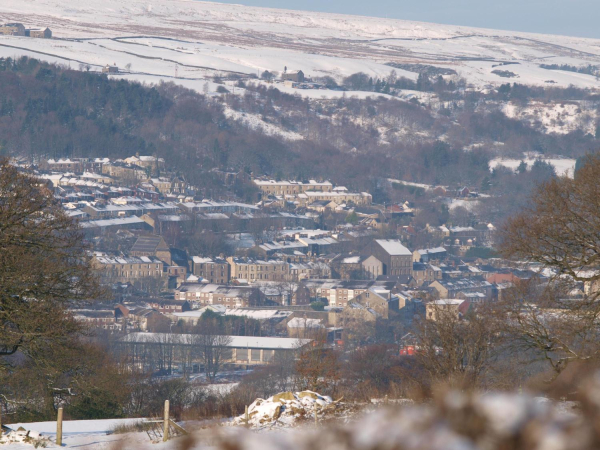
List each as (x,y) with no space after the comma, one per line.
(566,17)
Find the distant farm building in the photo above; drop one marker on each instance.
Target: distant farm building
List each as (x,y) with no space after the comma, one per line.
(110,69)
(18,29)
(293,75)
(12,29)
(40,34)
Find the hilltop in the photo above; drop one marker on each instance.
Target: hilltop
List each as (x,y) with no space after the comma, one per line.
(191,41)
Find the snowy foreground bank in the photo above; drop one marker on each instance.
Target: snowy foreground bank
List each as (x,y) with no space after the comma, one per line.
(453,421)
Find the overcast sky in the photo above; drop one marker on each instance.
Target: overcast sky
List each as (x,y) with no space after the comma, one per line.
(568,17)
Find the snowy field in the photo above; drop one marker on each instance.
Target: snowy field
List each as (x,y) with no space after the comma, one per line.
(190,41)
(87,434)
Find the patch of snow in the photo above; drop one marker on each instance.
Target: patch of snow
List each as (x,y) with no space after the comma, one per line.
(562,166)
(254,121)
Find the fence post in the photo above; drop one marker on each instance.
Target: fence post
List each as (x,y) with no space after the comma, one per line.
(246,418)
(59,421)
(166,422)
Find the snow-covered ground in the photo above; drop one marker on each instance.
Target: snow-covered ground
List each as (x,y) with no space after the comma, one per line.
(89,434)
(255,121)
(561,118)
(469,205)
(198,39)
(562,166)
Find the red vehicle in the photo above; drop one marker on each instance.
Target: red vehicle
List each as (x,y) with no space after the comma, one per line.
(407,350)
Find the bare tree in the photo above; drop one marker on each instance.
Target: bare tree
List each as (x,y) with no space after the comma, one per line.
(541,318)
(44,265)
(286,291)
(151,285)
(212,346)
(559,231)
(318,367)
(455,349)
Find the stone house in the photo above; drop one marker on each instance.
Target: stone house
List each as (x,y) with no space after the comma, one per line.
(213,294)
(110,69)
(40,34)
(338,293)
(214,270)
(283,188)
(293,75)
(382,301)
(426,273)
(457,308)
(124,269)
(12,29)
(453,287)
(97,318)
(170,306)
(429,255)
(254,270)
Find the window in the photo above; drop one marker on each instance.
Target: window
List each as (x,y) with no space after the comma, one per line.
(268,355)
(241,354)
(227,354)
(255,355)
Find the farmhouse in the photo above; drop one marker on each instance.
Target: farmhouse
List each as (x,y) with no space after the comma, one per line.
(293,75)
(110,69)
(12,29)
(40,34)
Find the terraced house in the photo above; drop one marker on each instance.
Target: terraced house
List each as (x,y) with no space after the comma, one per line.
(281,188)
(213,294)
(258,270)
(123,269)
(215,270)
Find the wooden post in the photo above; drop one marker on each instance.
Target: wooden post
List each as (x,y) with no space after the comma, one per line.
(316,418)
(246,418)
(59,427)
(166,422)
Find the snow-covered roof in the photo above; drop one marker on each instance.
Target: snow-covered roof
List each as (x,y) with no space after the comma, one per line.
(299,322)
(431,251)
(112,222)
(109,260)
(250,342)
(394,247)
(447,301)
(351,260)
(291,183)
(258,314)
(200,260)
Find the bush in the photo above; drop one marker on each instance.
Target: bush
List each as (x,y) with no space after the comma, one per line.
(318,306)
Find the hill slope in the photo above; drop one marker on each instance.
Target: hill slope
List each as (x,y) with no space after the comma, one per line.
(203,37)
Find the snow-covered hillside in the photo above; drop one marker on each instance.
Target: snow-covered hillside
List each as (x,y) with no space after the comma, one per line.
(192,40)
